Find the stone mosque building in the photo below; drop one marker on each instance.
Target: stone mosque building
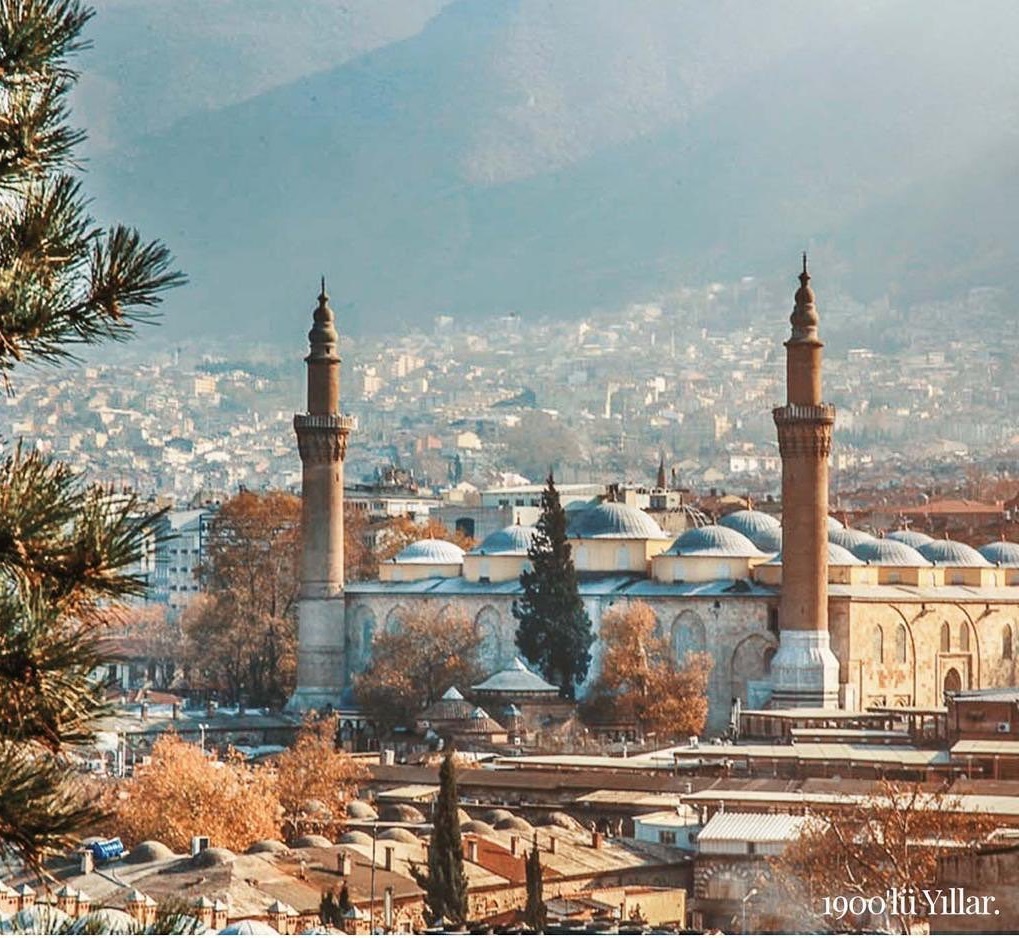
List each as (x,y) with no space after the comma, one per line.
(798,613)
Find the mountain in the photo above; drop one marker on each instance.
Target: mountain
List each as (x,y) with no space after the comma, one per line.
(552,158)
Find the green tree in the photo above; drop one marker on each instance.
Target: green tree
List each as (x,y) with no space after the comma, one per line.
(64,281)
(444,882)
(535,911)
(555,631)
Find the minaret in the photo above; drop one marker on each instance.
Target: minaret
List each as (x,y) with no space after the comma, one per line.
(805,671)
(322,441)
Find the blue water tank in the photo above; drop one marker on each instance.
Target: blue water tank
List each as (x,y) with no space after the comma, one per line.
(106,850)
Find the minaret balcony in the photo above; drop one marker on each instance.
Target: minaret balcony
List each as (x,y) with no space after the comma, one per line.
(325,422)
(804,413)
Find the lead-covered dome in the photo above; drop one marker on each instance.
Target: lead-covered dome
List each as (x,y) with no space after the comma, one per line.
(953,554)
(850,538)
(763,530)
(837,556)
(1004,553)
(514,540)
(614,520)
(713,540)
(430,550)
(915,539)
(834,524)
(885,553)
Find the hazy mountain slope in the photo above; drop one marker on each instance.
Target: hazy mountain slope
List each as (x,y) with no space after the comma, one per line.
(554,157)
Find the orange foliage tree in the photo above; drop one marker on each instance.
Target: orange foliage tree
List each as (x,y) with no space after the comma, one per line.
(181,793)
(891,840)
(367,544)
(640,680)
(411,667)
(315,780)
(242,633)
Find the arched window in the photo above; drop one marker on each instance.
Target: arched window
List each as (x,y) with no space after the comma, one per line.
(963,637)
(1006,642)
(946,637)
(900,644)
(877,645)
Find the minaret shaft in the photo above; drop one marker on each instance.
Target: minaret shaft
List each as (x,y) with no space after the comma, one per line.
(322,441)
(804,670)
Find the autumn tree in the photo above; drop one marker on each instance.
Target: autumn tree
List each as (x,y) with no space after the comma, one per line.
(181,793)
(315,780)
(65,281)
(555,631)
(639,678)
(893,839)
(444,880)
(243,631)
(430,650)
(155,635)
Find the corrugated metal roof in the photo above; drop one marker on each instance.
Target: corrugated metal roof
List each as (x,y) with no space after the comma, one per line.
(986,747)
(752,828)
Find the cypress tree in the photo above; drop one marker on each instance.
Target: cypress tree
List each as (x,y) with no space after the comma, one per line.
(555,631)
(535,910)
(444,882)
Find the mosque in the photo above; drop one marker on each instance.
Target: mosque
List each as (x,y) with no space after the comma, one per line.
(801,612)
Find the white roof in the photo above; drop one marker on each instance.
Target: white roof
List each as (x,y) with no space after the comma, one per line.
(752,828)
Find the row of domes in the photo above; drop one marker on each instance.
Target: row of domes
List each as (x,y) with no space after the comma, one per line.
(745,533)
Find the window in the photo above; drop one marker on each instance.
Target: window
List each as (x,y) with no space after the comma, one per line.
(900,644)
(946,637)
(963,637)
(877,645)
(1006,642)
(666,837)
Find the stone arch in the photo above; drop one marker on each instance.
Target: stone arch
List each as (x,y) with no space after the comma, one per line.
(952,682)
(688,634)
(750,661)
(877,645)
(974,638)
(946,637)
(489,624)
(394,618)
(901,644)
(360,635)
(963,636)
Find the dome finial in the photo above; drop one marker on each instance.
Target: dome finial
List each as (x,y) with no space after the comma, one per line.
(323,336)
(804,318)
(323,296)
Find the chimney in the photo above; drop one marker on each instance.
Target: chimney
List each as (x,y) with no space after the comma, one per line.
(553,844)
(344,865)
(596,839)
(88,862)
(145,711)
(387,864)
(472,850)
(514,840)
(176,710)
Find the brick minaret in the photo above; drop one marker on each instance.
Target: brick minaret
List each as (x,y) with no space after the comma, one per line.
(805,672)
(322,441)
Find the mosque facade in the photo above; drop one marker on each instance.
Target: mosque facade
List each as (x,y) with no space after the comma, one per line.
(801,612)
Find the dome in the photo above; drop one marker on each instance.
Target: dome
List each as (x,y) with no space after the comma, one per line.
(514,541)
(614,520)
(762,530)
(837,556)
(563,820)
(249,926)
(313,840)
(713,540)
(38,920)
(477,827)
(355,837)
(401,812)
(496,815)
(915,539)
(953,554)
(514,823)
(886,553)
(213,856)
(150,851)
(267,846)
(399,834)
(850,538)
(361,811)
(834,524)
(430,550)
(1004,553)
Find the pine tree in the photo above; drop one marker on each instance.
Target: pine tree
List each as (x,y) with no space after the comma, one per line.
(535,911)
(555,631)
(63,544)
(445,883)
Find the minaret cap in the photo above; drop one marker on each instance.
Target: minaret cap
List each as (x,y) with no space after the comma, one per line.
(804,317)
(323,333)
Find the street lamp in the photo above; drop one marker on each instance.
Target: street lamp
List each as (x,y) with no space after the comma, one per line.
(203,727)
(743,903)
